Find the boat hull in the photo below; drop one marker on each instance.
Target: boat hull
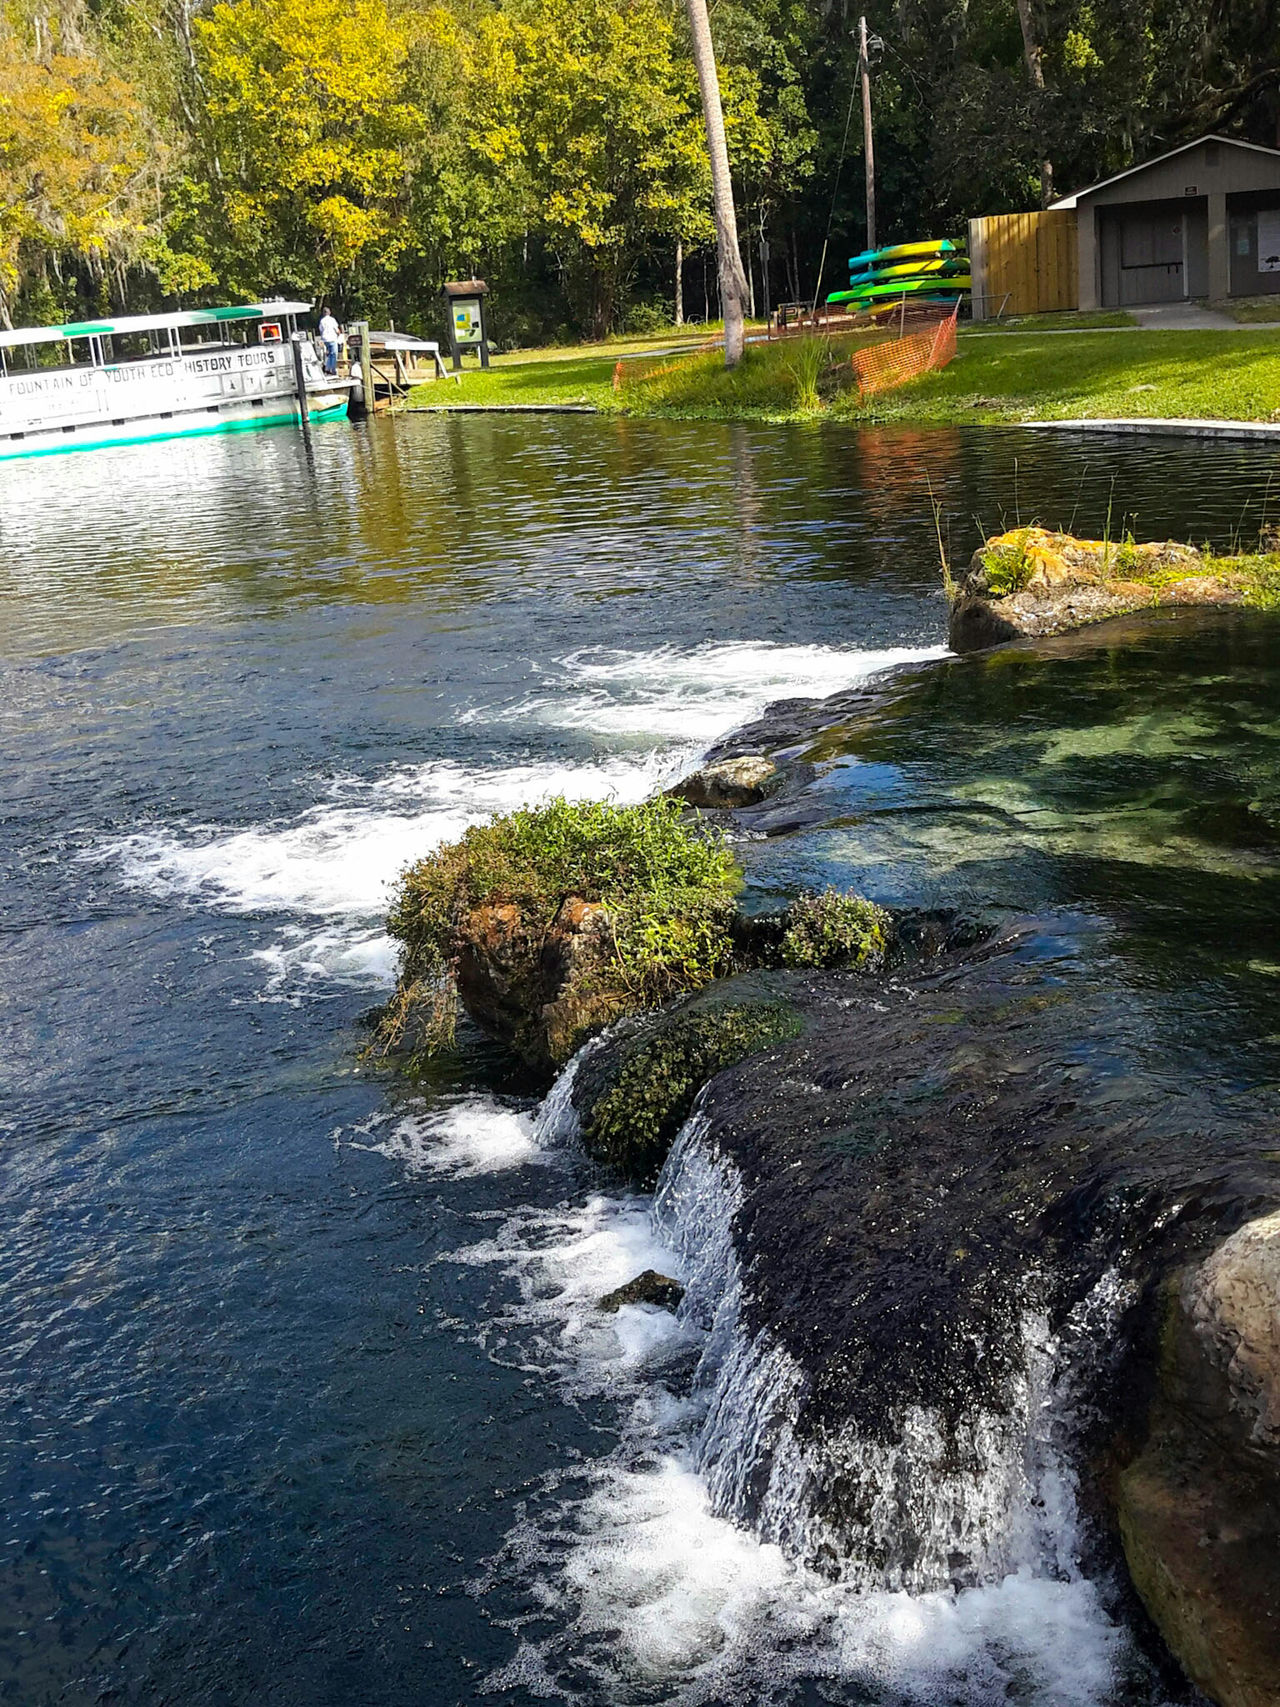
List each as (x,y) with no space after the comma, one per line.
(47,412)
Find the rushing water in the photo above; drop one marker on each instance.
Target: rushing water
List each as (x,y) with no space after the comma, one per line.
(305,1395)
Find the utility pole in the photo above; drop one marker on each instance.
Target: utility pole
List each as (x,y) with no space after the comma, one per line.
(868,151)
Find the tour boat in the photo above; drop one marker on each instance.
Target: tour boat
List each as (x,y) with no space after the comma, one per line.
(160,376)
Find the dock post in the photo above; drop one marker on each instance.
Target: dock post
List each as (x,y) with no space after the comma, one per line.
(363,397)
(300,381)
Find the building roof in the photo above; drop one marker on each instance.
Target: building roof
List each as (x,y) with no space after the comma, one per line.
(1064,202)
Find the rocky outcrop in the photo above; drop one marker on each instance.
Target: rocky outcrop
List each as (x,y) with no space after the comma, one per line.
(732,783)
(532,989)
(1030,583)
(1199,1507)
(647,1288)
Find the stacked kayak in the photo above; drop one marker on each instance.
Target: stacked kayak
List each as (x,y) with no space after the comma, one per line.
(935,270)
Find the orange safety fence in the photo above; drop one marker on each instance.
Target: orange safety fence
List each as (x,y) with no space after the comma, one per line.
(882,366)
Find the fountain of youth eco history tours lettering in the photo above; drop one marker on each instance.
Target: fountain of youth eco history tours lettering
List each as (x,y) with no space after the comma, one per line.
(947,1380)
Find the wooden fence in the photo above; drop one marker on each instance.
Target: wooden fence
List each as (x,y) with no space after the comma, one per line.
(1030,258)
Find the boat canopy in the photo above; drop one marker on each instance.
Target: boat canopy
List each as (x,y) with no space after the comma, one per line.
(151,323)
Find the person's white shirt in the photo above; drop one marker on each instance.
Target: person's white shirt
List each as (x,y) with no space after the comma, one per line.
(329,333)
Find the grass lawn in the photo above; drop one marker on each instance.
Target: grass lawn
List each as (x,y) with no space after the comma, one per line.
(1072,321)
(1255,310)
(1015,376)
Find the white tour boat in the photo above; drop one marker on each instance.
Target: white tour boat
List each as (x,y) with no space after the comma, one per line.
(157,376)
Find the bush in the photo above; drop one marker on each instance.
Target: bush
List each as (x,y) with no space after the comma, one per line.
(835,930)
(643,318)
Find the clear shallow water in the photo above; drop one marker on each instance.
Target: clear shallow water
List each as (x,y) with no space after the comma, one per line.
(302,1380)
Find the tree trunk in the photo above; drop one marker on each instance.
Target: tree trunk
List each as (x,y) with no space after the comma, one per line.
(679,284)
(733,283)
(1034,55)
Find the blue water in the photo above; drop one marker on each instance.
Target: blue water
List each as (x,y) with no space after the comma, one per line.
(286,1357)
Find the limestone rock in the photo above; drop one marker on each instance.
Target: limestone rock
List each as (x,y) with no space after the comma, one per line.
(647,1288)
(733,782)
(1233,1301)
(1031,583)
(534,990)
(1199,1508)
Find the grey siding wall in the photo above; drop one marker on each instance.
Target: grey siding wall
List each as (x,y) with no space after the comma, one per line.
(1203,170)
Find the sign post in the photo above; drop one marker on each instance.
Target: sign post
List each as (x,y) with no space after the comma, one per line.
(464,299)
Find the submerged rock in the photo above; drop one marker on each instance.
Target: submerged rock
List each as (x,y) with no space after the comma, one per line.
(744,781)
(647,1288)
(1031,583)
(1200,1506)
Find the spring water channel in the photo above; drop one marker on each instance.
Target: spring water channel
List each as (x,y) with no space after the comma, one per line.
(305,1395)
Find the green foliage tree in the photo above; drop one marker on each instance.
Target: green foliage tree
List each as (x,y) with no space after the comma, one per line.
(585,111)
(184,149)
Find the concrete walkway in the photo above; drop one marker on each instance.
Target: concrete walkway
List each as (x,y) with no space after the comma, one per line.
(1193,429)
(1183,317)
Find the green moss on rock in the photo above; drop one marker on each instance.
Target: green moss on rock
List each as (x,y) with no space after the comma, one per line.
(634,1099)
(552,921)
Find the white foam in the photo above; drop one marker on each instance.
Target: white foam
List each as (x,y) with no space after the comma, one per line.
(339,860)
(472,1135)
(349,958)
(563,1261)
(697,695)
(651,1585)
(652,1589)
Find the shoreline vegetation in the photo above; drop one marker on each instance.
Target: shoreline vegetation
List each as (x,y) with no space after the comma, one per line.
(1004,377)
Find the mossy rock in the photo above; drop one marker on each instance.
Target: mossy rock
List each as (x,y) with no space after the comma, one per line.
(634,1094)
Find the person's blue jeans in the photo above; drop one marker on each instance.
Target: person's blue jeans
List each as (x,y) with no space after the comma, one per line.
(330,358)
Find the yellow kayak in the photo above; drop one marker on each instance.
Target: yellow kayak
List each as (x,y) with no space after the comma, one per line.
(935,246)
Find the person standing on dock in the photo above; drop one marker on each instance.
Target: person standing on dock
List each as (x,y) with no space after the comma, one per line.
(330,332)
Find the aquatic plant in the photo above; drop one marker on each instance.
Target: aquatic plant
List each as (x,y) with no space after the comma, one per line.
(1008,564)
(835,930)
(808,361)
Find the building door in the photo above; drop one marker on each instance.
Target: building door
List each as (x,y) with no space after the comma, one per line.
(1152,256)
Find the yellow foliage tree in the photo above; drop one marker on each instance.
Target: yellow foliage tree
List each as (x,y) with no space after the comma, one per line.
(74,161)
(313,136)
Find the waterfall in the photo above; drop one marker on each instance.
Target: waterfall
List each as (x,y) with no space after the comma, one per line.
(556,1123)
(942,1505)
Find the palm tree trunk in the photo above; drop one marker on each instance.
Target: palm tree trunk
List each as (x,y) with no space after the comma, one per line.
(733,282)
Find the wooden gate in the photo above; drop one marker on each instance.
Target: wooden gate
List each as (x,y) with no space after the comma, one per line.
(1028,257)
